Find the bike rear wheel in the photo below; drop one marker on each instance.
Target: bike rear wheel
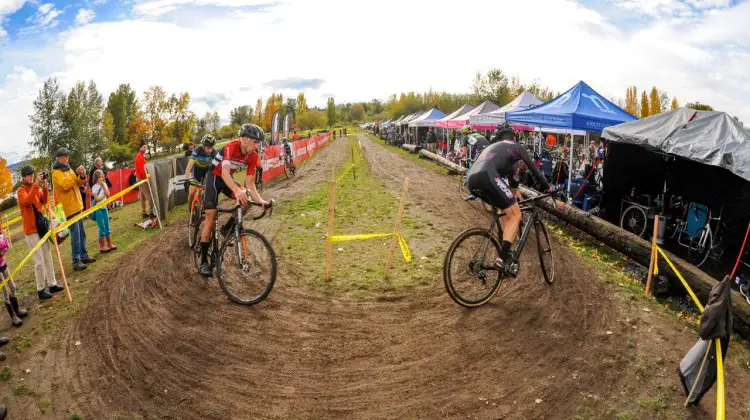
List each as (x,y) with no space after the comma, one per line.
(287,169)
(700,247)
(247,267)
(544,248)
(468,278)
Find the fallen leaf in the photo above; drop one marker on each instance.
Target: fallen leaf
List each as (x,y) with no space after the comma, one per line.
(609,333)
(538,400)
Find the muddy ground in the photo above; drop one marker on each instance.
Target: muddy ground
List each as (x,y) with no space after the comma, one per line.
(158,341)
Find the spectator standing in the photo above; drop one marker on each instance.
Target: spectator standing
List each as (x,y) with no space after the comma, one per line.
(9,289)
(98,164)
(99,193)
(431,139)
(144,190)
(551,140)
(66,183)
(189,150)
(33,195)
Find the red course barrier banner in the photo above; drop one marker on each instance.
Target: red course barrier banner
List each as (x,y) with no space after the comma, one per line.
(273,165)
(120,179)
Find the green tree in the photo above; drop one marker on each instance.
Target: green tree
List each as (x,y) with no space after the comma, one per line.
(358,112)
(81,123)
(122,105)
(699,106)
(228,131)
(181,120)
(493,86)
(119,154)
(312,119)
(45,120)
(214,123)
(241,115)
(108,127)
(331,112)
(155,115)
(644,105)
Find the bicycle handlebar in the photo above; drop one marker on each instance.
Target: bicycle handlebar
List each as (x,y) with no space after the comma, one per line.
(252,203)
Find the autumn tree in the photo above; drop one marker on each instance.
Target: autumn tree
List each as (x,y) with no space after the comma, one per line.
(155,114)
(331,112)
(258,117)
(675,104)
(631,100)
(241,115)
(273,104)
(699,106)
(644,105)
(654,99)
(6,180)
(301,104)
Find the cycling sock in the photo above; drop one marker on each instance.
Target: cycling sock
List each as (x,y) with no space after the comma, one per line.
(204,252)
(505,251)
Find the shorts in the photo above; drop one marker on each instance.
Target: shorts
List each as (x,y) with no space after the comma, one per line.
(492,189)
(199,176)
(214,185)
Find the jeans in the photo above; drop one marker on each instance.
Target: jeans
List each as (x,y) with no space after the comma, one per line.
(102,222)
(78,238)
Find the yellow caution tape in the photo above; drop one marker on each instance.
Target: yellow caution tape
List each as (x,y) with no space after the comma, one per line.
(345,172)
(401,241)
(720,403)
(679,276)
(68,224)
(13,221)
(656,264)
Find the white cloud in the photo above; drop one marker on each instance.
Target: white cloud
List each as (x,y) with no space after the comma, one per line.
(16,99)
(85,16)
(224,61)
(159,7)
(45,18)
(8,7)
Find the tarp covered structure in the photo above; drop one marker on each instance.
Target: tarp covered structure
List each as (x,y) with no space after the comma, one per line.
(409,118)
(427,119)
(709,137)
(463,119)
(443,122)
(580,108)
(699,155)
(491,120)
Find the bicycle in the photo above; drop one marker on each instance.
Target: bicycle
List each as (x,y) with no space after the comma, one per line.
(196,216)
(252,264)
(470,254)
(289,168)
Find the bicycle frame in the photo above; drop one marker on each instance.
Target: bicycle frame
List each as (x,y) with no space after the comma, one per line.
(521,243)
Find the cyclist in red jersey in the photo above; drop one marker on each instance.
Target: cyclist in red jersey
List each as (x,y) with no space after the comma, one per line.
(235,155)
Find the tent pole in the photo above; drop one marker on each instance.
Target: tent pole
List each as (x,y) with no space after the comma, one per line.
(570,166)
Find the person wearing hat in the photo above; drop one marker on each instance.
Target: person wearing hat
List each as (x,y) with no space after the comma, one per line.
(33,196)
(66,183)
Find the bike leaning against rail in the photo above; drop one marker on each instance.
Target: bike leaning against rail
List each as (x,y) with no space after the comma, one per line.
(243,259)
(469,271)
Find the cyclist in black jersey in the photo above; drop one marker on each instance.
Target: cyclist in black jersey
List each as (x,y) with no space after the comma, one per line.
(500,160)
(197,167)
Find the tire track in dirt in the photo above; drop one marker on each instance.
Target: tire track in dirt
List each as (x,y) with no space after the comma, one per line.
(158,341)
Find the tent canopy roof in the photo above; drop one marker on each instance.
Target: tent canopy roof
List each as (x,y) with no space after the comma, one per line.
(712,138)
(580,108)
(427,119)
(492,119)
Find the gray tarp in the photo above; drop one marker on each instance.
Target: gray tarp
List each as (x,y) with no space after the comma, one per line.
(712,138)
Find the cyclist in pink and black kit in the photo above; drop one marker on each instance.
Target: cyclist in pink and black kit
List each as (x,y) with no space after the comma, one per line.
(498,161)
(235,155)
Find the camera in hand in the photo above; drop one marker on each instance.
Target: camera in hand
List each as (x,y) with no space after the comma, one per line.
(43,175)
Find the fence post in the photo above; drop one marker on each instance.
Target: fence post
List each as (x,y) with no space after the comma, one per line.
(57,249)
(653,257)
(331,212)
(397,226)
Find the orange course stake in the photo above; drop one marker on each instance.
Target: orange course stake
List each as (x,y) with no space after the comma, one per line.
(331,213)
(653,257)
(57,249)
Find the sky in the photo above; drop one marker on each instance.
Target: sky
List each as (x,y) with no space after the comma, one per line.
(227,53)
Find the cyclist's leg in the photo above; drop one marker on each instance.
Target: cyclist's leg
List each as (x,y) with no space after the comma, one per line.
(492,188)
(191,194)
(210,203)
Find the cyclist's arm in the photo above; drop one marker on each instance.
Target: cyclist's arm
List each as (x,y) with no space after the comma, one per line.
(536,172)
(226,175)
(189,169)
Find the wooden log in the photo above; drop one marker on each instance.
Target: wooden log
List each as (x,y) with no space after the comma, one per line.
(413,148)
(452,167)
(639,250)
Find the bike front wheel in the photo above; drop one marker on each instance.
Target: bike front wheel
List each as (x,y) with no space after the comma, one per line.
(194,223)
(468,270)
(544,248)
(247,267)
(700,247)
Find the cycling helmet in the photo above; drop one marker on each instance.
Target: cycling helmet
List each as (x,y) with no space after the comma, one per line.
(284,139)
(252,131)
(466,129)
(208,141)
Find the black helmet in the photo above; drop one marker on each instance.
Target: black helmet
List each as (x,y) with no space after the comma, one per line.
(208,141)
(252,131)
(27,170)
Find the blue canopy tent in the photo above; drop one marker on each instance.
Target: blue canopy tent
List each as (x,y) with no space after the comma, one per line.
(580,108)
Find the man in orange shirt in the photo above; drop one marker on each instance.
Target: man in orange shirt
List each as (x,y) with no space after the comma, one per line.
(32,197)
(144,190)
(551,141)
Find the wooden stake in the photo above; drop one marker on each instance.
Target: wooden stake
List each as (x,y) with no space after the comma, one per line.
(397,226)
(653,256)
(354,167)
(331,212)
(57,249)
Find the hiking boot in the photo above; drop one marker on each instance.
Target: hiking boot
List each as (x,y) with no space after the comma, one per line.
(20,312)
(205,270)
(16,321)
(56,288)
(43,295)
(79,266)
(88,260)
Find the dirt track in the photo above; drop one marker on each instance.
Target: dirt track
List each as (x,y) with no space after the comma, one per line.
(158,341)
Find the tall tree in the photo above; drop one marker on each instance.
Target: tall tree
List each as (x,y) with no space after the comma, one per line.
(122,104)
(675,104)
(644,105)
(241,115)
(108,126)
(214,123)
(258,117)
(699,106)
(181,120)
(81,122)
(331,112)
(493,86)
(6,179)
(654,100)
(273,104)
(631,100)
(301,104)
(155,114)
(45,120)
